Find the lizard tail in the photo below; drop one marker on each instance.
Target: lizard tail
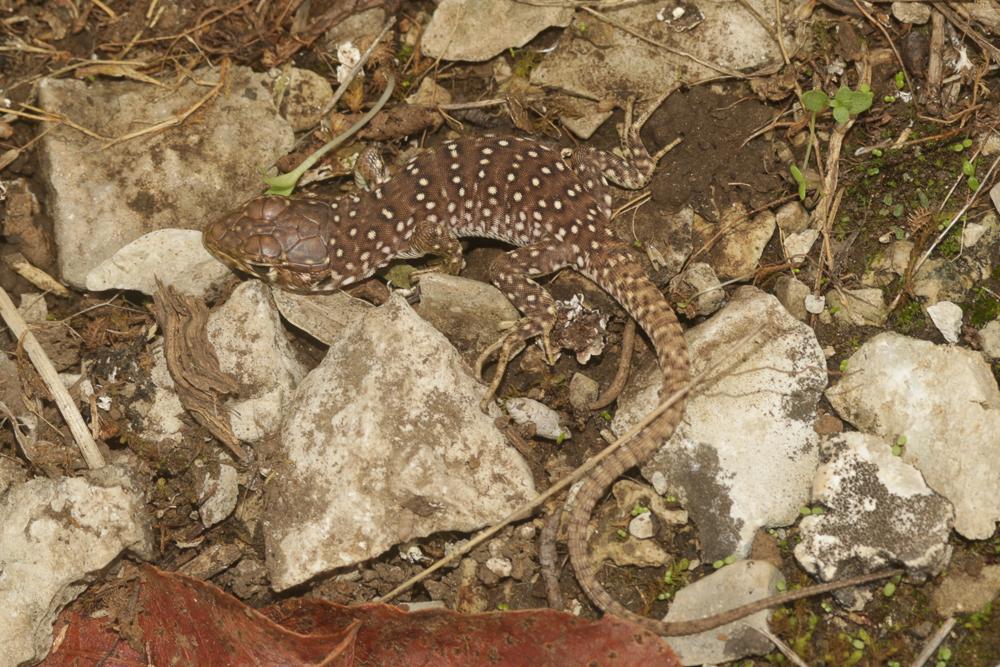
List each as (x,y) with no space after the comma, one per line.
(617,270)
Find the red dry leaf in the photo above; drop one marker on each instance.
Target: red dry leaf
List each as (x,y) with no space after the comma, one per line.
(184,621)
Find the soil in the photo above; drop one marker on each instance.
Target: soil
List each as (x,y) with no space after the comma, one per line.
(717,164)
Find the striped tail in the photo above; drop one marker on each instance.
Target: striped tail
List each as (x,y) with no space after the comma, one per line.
(617,271)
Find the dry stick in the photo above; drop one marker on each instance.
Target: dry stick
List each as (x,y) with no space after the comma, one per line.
(529,507)
(935,62)
(933,643)
(91,454)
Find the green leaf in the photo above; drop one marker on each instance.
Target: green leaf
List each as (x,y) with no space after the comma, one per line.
(800,179)
(815,100)
(855,101)
(973,183)
(900,80)
(841,114)
(968,168)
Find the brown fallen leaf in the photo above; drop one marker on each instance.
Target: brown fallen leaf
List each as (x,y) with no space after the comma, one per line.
(184,621)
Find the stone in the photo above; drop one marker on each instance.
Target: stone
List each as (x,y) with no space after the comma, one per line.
(880,513)
(385,443)
(174,256)
(945,401)
(468,29)
(251,345)
(947,317)
(56,537)
(792,294)
(860,307)
(714,463)
(101,196)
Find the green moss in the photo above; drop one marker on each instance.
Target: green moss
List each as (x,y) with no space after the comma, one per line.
(983,309)
(910,319)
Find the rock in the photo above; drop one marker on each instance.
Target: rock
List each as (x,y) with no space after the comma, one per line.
(732,586)
(583,391)
(546,420)
(174,256)
(735,255)
(797,246)
(608,544)
(597,61)
(468,30)
(698,289)
(951,279)
(815,304)
(995,196)
(792,218)
(57,536)
(164,420)
(945,401)
(947,317)
(714,463)
(468,312)
(304,95)
(792,294)
(911,12)
(966,593)
(33,308)
(251,345)
(322,316)
(888,264)
(356,27)
(430,93)
(641,527)
(972,233)
(385,443)
(501,567)
(101,198)
(860,307)
(881,513)
(989,339)
(218,492)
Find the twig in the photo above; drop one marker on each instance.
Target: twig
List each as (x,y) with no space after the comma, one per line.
(614,389)
(529,507)
(34,275)
(88,447)
(785,649)
(933,643)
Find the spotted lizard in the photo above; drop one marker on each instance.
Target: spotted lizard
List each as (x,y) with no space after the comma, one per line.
(554,205)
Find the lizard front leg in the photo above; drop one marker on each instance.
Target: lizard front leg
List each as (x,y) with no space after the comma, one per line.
(513,273)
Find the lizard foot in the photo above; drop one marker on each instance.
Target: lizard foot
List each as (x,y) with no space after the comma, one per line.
(506,348)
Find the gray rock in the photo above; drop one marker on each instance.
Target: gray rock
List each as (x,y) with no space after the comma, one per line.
(989,338)
(57,536)
(947,317)
(477,31)
(251,345)
(468,312)
(945,401)
(792,218)
(860,307)
(217,493)
(699,289)
(175,256)
(102,198)
(598,61)
(714,463)
(385,442)
(736,254)
(583,391)
(916,13)
(966,592)
(546,420)
(304,96)
(792,293)
(798,245)
(881,513)
(732,586)
(322,316)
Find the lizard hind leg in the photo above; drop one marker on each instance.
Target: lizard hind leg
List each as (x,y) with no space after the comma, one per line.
(513,273)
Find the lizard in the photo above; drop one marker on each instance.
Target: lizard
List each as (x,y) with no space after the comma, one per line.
(554,205)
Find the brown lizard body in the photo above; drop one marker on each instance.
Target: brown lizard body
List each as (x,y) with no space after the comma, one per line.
(554,206)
